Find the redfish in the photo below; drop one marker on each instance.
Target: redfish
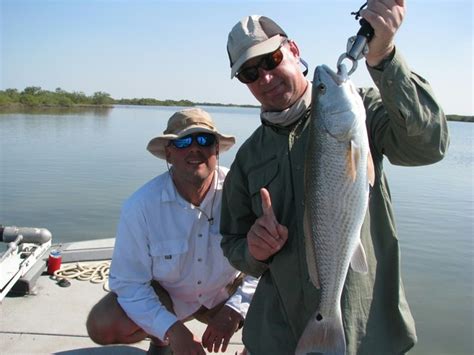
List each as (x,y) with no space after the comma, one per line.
(338,171)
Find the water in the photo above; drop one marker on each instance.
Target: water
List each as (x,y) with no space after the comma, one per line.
(71,172)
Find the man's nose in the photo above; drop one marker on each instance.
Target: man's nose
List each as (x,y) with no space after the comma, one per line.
(264,76)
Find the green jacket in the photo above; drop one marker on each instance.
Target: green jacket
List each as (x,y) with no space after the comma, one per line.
(409,128)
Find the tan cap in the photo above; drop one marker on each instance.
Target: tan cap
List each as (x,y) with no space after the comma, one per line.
(186,122)
(251,37)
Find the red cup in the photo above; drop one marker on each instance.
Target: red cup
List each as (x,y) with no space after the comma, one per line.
(54,261)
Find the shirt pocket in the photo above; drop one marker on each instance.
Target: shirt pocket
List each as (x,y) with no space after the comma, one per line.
(168,259)
(262,177)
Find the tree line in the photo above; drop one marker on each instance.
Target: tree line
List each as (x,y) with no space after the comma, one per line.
(34,96)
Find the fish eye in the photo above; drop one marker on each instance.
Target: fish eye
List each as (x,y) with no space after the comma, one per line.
(322,88)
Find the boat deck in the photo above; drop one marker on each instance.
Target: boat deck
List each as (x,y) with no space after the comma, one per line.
(52,321)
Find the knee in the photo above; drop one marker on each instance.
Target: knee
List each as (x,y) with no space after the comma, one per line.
(100,321)
(107,323)
(96,329)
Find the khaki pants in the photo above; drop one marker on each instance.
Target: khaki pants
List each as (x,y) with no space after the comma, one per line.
(203,314)
(107,322)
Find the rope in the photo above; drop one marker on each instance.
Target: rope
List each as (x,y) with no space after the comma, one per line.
(95,273)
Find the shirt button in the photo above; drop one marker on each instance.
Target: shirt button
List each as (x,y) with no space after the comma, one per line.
(199,259)
(200,235)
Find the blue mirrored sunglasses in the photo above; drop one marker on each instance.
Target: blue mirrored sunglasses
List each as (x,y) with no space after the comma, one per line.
(202,139)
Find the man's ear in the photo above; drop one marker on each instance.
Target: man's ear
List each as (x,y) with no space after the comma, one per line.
(294,48)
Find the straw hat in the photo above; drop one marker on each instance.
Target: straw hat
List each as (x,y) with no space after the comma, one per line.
(186,122)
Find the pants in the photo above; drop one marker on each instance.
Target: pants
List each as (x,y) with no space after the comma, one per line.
(203,314)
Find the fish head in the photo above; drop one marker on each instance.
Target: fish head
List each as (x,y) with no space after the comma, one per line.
(338,105)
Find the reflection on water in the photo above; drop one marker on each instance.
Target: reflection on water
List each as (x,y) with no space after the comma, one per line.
(75,110)
(71,173)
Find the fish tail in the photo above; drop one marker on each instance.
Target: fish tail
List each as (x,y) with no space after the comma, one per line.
(323,335)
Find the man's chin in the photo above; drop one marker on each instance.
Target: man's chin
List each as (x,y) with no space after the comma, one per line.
(278,102)
(200,174)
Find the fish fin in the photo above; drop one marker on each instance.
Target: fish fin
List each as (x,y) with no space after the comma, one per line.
(353,158)
(323,335)
(359,260)
(310,252)
(370,169)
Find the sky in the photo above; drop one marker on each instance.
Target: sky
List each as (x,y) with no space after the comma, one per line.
(176,49)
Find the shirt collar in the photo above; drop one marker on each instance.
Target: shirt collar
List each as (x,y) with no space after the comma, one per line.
(169,193)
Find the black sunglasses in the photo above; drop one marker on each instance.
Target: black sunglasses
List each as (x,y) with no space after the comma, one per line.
(202,139)
(268,62)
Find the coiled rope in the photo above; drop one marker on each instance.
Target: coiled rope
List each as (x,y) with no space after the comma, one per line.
(95,273)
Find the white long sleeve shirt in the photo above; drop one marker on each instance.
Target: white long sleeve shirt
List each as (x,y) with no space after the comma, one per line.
(163,237)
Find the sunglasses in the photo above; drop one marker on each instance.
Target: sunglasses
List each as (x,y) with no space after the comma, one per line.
(268,62)
(202,139)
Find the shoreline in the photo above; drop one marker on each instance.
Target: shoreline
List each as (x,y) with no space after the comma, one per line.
(16,108)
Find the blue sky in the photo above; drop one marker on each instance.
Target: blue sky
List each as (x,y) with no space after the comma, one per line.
(176,49)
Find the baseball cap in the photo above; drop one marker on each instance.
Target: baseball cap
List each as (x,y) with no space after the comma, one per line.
(251,37)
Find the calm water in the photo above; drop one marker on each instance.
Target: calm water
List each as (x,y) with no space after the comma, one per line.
(71,172)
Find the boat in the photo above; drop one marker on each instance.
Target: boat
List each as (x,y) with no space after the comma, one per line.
(40,313)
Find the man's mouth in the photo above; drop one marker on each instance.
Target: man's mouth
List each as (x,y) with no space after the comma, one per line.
(273,90)
(195,161)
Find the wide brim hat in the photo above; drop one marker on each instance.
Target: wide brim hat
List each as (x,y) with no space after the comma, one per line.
(183,123)
(251,37)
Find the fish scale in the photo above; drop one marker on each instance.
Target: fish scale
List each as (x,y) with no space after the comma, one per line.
(336,200)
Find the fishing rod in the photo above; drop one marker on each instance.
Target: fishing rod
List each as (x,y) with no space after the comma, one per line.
(358,45)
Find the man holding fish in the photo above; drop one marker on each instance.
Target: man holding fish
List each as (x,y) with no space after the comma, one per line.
(297,210)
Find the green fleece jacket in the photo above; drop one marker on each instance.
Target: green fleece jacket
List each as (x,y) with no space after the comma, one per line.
(406,125)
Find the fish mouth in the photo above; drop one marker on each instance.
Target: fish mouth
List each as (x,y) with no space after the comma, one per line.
(326,75)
